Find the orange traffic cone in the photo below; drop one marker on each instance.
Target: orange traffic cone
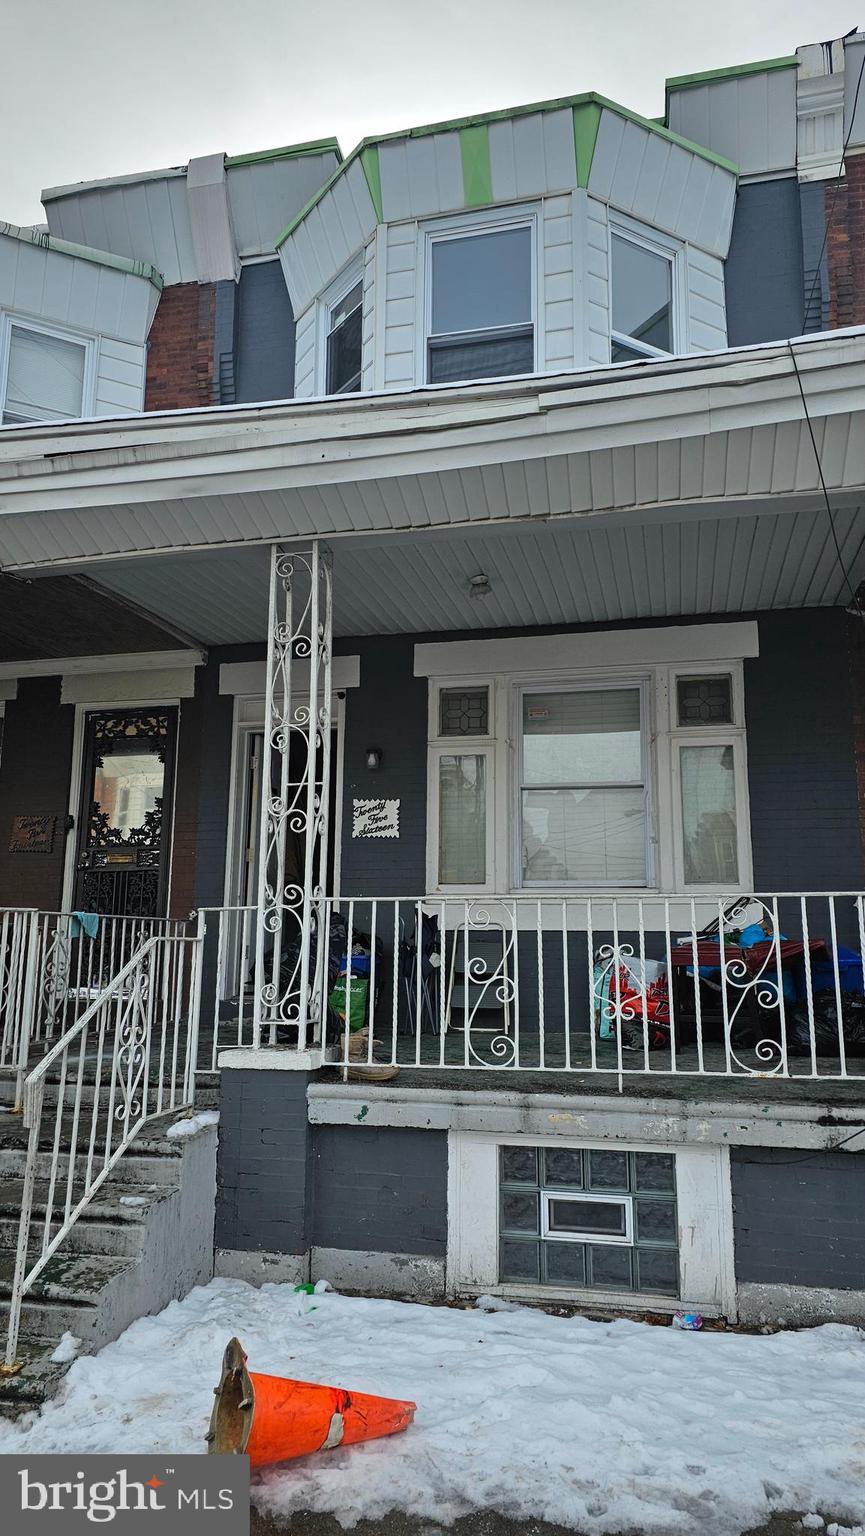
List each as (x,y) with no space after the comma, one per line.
(271,1418)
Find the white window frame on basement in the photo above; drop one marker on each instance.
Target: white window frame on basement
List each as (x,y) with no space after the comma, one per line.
(663,740)
(8,320)
(482,222)
(704,1207)
(325,305)
(673,251)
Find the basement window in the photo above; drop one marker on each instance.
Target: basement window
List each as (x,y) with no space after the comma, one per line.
(588,1219)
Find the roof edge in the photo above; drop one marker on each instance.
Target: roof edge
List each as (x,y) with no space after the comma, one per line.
(75,188)
(45,242)
(757,67)
(286,152)
(453,125)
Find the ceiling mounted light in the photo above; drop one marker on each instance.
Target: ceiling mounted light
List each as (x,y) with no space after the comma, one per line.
(479,585)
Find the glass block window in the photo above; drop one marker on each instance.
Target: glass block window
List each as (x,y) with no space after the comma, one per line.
(705,700)
(599,1219)
(464,712)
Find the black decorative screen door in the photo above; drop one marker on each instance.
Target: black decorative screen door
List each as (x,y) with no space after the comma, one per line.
(124,820)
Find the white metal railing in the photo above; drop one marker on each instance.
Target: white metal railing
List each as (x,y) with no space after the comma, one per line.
(229,982)
(19,942)
(128,1056)
(600,984)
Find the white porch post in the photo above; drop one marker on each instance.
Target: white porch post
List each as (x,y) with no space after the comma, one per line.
(292,926)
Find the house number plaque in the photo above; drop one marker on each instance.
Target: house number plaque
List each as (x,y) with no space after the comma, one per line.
(375,818)
(32,834)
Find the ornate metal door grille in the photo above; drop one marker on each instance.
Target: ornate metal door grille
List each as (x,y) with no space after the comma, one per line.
(124,829)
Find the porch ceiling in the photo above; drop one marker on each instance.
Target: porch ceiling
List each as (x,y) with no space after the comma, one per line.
(560,572)
(661,488)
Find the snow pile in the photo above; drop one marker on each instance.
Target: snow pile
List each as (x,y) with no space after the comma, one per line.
(603,1426)
(190,1124)
(67,1349)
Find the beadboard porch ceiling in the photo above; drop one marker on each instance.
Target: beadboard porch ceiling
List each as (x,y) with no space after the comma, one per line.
(658,489)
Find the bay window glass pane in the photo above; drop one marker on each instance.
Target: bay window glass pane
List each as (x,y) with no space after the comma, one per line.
(642,294)
(482,281)
(462,819)
(487,357)
(344,343)
(709,815)
(46,377)
(582,736)
(586,836)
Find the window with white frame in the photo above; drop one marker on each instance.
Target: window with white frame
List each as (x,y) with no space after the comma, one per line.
(344,341)
(480,302)
(43,374)
(611,782)
(583,791)
(643,291)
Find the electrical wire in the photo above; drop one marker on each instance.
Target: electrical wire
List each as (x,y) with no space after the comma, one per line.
(830,514)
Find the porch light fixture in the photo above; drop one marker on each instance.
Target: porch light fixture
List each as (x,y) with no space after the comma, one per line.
(479,585)
(373,758)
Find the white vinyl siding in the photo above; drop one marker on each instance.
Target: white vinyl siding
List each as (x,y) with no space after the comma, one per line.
(304,354)
(401,287)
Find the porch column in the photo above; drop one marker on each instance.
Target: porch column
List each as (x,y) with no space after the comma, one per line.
(293,918)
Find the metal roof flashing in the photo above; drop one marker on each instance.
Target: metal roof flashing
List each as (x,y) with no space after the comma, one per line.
(35,237)
(367,149)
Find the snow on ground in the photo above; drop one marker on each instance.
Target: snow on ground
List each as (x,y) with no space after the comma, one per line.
(190,1125)
(608,1426)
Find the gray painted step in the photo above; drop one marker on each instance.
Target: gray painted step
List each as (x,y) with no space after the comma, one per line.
(113,1222)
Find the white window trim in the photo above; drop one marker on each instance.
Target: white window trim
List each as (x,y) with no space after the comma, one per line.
(480,222)
(8,319)
(662,740)
(568,683)
(614,1239)
(325,304)
(674,251)
(704,1211)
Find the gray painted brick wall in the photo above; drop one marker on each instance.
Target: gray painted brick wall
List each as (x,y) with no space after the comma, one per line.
(264,1162)
(801,767)
(380,1190)
(798,1218)
(763,271)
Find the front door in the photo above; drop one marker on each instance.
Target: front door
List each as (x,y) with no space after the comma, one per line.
(124,818)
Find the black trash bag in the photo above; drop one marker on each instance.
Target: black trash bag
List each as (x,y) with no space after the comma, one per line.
(826,1032)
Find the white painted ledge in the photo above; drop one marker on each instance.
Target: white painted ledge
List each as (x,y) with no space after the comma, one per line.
(270,1058)
(752,1122)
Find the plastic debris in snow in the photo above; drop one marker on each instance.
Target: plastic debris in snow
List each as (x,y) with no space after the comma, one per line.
(602,1426)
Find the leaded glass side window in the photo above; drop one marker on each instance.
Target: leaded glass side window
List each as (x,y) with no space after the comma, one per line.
(464,712)
(595,1219)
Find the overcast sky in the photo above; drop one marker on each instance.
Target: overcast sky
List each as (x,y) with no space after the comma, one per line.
(99,87)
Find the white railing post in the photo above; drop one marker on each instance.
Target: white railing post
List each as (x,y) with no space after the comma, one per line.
(291,901)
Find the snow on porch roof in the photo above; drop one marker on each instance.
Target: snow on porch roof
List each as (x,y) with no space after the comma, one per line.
(640,468)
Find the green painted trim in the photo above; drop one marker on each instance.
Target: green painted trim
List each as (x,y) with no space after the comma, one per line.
(475,156)
(84,253)
(759,67)
(287,152)
(372,171)
(586,98)
(587,121)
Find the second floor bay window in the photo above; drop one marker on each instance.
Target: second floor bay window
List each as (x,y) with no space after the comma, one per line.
(43,375)
(480,321)
(641,277)
(345,342)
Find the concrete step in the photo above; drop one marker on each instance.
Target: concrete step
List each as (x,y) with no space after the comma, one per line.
(112,1223)
(38,1380)
(65,1295)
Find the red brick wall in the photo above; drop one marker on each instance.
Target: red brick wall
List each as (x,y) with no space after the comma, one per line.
(845,245)
(180,369)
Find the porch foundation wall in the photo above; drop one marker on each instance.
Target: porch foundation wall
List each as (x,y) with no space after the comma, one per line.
(799,1223)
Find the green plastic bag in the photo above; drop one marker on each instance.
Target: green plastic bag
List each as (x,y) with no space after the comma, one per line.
(359,993)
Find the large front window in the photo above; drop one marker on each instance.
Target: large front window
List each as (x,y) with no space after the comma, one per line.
(481,312)
(583,793)
(44,376)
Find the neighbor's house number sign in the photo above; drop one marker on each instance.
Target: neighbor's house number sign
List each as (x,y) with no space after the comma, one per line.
(375,818)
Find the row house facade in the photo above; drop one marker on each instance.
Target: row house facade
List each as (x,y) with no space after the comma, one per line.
(431,664)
